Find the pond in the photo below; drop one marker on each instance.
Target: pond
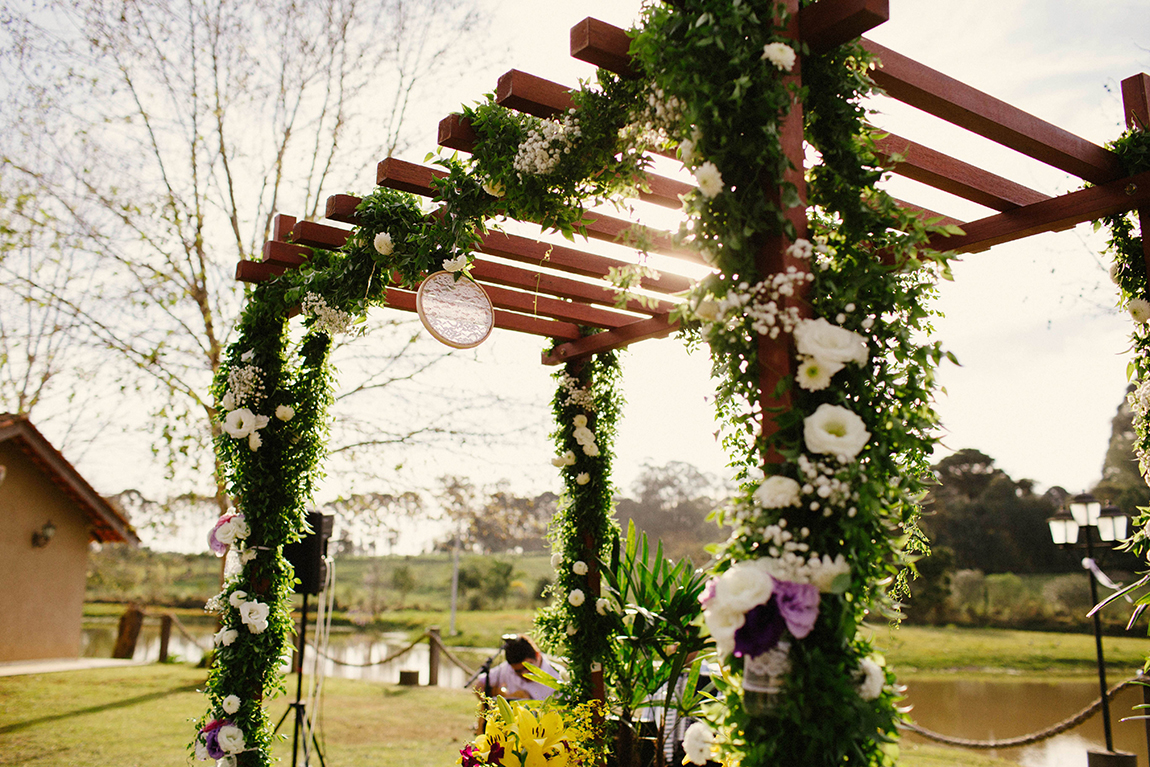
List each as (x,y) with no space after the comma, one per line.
(978,709)
(992,709)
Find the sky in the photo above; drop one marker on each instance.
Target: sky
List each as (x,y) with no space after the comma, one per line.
(1043,350)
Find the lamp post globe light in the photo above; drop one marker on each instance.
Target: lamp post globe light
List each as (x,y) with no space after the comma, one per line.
(1088,517)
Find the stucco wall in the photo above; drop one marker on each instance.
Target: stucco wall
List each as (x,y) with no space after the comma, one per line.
(41,589)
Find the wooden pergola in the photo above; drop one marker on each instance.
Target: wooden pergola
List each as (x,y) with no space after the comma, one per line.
(551,290)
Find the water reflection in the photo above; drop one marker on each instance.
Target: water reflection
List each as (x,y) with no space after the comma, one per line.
(1006,708)
(349,656)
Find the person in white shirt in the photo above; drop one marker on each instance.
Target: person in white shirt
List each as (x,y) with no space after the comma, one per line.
(508,678)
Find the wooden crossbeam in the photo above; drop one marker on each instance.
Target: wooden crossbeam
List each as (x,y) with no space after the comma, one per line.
(1053,215)
(654,327)
(823,26)
(524,92)
(416,179)
(955,176)
(935,93)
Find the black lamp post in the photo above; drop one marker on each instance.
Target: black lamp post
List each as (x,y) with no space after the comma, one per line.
(1109,524)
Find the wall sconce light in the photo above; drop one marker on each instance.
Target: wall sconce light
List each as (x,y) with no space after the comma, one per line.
(41,537)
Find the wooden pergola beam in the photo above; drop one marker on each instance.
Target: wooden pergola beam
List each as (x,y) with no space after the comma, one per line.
(823,25)
(525,92)
(655,327)
(951,175)
(416,179)
(931,91)
(1136,105)
(1053,215)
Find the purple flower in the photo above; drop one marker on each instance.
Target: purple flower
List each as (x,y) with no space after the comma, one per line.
(469,757)
(211,733)
(708,592)
(496,753)
(799,605)
(792,607)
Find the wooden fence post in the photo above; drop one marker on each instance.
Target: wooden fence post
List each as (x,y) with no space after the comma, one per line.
(433,656)
(128,633)
(165,636)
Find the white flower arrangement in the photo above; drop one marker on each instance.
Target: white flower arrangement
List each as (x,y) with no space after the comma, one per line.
(231,704)
(545,145)
(582,478)
(778,492)
(823,341)
(556,560)
(576,597)
(230,738)
(255,616)
(699,743)
(1139,309)
(243,423)
(245,384)
(871,679)
(814,374)
(603,606)
(237,598)
(579,567)
(781,55)
(493,188)
(457,264)
(224,637)
(567,459)
(327,319)
(285,412)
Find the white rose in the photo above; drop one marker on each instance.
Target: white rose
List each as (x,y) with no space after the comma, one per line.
(255,616)
(231,704)
(829,343)
(709,179)
(230,738)
(699,743)
(836,431)
(227,636)
(576,597)
(383,244)
(285,412)
(873,678)
(781,55)
(778,492)
(583,436)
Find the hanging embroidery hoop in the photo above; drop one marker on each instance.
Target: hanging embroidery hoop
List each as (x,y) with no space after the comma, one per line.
(456,312)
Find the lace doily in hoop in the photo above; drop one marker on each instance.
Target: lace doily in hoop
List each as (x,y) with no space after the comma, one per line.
(457,312)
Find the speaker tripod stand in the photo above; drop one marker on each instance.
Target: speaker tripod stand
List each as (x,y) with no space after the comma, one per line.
(300,707)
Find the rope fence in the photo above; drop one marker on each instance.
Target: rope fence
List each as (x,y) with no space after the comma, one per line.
(432,638)
(1025,740)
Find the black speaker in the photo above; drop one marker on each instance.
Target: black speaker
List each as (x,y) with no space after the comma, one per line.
(307,555)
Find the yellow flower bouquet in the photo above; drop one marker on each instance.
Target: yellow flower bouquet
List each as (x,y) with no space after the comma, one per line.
(537,734)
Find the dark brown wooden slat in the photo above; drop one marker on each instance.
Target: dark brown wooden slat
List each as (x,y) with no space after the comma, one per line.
(282,226)
(603,45)
(560,287)
(285,253)
(341,207)
(955,176)
(525,92)
(1053,215)
(828,24)
(397,298)
(258,271)
(545,306)
(935,93)
(316,235)
(457,133)
(659,326)
(399,174)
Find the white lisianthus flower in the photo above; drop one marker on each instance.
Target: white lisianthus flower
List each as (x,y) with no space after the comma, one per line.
(602,606)
(815,374)
(255,441)
(583,478)
(383,244)
(201,750)
(1139,309)
(227,761)
(576,597)
(237,598)
(872,679)
(231,704)
(579,568)
(224,637)
(707,310)
(699,743)
(494,188)
(567,459)
(247,555)
(240,423)
(829,343)
(747,584)
(230,738)
(583,435)
(457,264)
(228,402)
(778,492)
(285,412)
(836,431)
(781,55)
(556,560)
(1114,272)
(709,179)
(255,616)
(687,152)
(580,421)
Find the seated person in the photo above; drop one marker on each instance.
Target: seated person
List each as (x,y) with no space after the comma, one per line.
(507,679)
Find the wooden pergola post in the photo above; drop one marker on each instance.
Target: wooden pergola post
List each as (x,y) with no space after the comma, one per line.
(1136,105)
(775,359)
